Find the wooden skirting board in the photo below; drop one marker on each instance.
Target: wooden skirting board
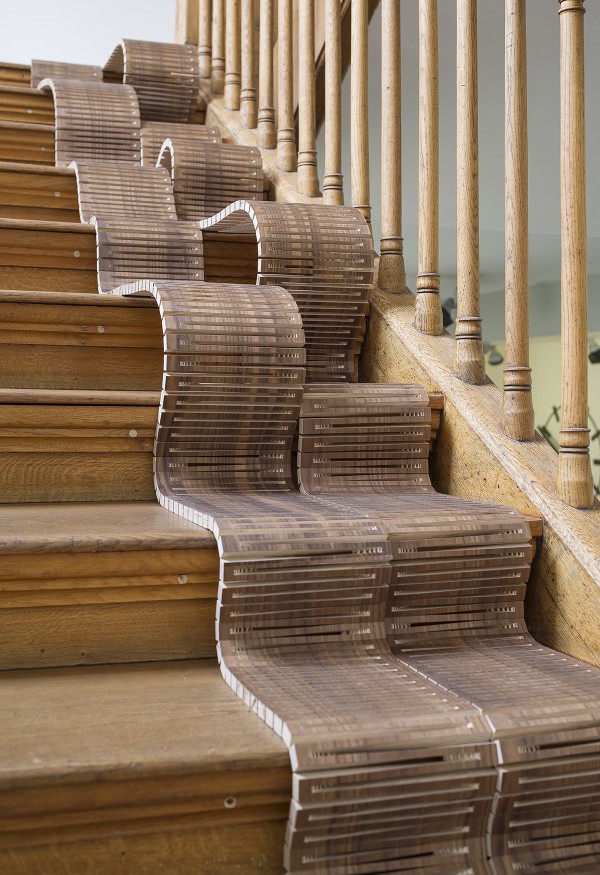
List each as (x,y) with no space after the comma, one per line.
(132,769)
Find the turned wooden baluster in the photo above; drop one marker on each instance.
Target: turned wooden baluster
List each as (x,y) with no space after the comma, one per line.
(205,38)
(286,133)
(517,412)
(266,110)
(217,66)
(359,103)
(392,275)
(248,112)
(333,180)
(232,56)
(469,363)
(186,22)
(574,483)
(308,181)
(428,307)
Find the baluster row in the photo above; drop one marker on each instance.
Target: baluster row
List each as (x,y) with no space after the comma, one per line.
(226,46)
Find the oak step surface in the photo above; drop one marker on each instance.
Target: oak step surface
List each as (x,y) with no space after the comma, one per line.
(56,340)
(97,582)
(37,192)
(137,769)
(47,256)
(18,104)
(27,143)
(15,74)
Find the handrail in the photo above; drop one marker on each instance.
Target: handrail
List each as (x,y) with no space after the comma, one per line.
(287,58)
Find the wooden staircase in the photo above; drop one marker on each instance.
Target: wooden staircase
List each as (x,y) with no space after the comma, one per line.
(123,751)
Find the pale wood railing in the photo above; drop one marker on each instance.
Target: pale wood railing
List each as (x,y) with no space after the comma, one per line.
(289,41)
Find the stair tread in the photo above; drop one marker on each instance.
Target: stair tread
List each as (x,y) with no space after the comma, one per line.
(132,720)
(80,396)
(96,527)
(86,299)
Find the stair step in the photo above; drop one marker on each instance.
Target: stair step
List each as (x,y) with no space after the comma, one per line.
(76,446)
(15,74)
(18,104)
(56,340)
(39,193)
(125,770)
(47,256)
(27,143)
(104,583)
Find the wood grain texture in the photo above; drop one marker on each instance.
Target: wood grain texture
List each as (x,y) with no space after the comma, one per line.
(391,276)
(474,459)
(428,307)
(574,479)
(94,121)
(58,341)
(267,135)
(61,70)
(308,181)
(286,132)
(47,256)
(164,76)
(248,93)
(204,38)
(469,363)
(29,105)
(359,132)
(232,80)
(27,143)
(333,181)
(517,411)
(38,193)
(158,748)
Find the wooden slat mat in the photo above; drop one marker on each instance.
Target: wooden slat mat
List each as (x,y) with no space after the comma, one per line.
(62,70)
(164,75)
(376,627)
(94,121)
(207,176)
(154,135)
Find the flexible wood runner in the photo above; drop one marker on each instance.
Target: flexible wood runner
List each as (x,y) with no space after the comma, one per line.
(373,623)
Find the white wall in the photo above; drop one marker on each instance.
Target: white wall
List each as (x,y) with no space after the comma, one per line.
(84,31)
